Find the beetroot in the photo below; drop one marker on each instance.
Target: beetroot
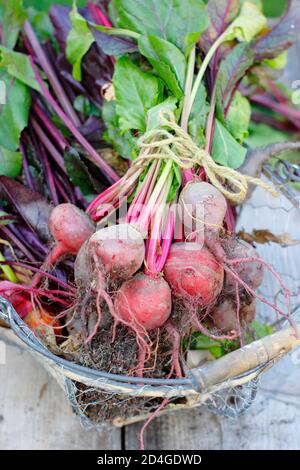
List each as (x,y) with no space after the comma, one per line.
(251,273)
(115,252)
(193,273)
(226,317)
(203,208)
(144,301)
(119,248)
(70,228)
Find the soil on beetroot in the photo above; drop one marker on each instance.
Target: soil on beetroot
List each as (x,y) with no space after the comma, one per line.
(120,356)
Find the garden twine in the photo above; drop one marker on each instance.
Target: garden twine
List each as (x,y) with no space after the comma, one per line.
(171,142)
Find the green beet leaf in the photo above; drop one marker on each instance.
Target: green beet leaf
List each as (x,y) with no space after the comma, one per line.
(232,70)
(123,143)
(14,112)
(44,5)
(79,40)
(178,21)
(225,149)
(198,116)
(167,60)
(10,162)
(282,35)
(238,118)
(154,114)
(13,17)
(136,93)
(248,24)
(78,172)
(18,65)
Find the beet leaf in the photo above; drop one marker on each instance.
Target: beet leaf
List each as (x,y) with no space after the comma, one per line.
(14,113)
(281,36)
(78,172)
(180,22)
(167,60)
(30,205)
(12,21)
(136,93)
(221,13)
(79,41)
(225,149)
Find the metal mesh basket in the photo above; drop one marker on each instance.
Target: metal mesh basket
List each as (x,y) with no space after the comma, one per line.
(226,386)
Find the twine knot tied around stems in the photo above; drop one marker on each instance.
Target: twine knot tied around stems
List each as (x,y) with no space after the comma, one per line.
(171,142)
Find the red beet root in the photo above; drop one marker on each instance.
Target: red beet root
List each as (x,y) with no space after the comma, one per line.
(70,228)
(193,273)
(203,208)
(119,248)
(224,316)
(144,302)
(21,302)
(251,273)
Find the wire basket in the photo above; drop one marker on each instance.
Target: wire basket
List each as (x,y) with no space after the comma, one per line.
(226,386)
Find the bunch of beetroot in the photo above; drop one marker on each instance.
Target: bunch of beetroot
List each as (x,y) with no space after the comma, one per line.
(157,250)
(212,277)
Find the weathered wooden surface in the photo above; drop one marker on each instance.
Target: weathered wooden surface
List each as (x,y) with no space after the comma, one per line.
(271,423)
(34,413)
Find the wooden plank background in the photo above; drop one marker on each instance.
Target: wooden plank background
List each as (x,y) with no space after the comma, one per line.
(34,413)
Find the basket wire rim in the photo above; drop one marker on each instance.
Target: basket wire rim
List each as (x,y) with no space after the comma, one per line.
(181,385)
(18,325)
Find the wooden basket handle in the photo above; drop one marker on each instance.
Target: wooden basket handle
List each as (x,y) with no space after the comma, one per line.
(244,360)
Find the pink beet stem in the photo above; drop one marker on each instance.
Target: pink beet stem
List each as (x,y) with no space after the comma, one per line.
(118,190)
(166,244)
(290,113)
(156,234)
(56,155)
(135,206)
(101,19)
(49,126)
(98,16)
(104,197)
(187,175)
(95,157)
(47,68)
(153,181)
